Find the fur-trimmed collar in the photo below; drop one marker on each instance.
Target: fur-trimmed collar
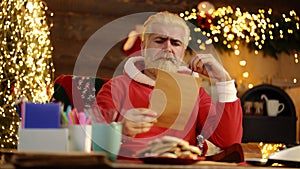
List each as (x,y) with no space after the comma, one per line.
(134,65)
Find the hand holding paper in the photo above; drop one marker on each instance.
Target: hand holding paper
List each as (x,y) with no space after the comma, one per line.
(138,120)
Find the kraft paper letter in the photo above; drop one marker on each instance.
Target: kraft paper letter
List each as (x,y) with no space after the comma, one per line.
(173,98)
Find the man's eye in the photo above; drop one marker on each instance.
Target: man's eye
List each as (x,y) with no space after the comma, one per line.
(176,43)
(159,41)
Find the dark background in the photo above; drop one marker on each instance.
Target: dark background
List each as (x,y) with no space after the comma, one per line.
(76,20)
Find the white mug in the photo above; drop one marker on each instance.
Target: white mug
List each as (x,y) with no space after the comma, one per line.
(274,107)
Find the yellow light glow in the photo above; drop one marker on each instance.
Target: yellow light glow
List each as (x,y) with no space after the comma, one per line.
(236,52)
(209,41)
(26,60)
(270,148)
(243,63)
(233,25)
(250,85)
(202,46)
(216,39)
(30,6)
(246,74)
(226,29)
(294,80)
(230,37)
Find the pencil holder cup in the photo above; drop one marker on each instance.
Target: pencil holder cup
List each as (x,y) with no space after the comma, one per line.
(107,138)
(80,138)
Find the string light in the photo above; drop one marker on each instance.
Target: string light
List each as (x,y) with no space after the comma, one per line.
(250,85)
(230,28)
(269,148)
(246,74)
(26,61)
(296,60)
(260,32)
(243,63)
(294,80)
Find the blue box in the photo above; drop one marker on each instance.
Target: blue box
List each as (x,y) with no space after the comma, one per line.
(40,115)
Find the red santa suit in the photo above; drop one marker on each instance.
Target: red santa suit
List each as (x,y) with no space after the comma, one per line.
(220,122)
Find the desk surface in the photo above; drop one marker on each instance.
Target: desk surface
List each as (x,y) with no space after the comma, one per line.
(12,159)
(127,165)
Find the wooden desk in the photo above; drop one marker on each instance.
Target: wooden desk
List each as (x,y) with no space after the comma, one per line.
(127,165)
(14,160)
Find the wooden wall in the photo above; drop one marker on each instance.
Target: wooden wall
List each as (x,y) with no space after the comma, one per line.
(75,21)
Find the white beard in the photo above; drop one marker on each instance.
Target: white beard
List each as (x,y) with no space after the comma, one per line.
(164,61)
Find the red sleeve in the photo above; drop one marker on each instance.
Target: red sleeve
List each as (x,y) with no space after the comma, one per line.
(113,98)
(221,123)
(109,100)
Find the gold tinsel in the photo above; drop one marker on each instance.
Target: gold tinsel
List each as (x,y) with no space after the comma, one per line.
(26,61)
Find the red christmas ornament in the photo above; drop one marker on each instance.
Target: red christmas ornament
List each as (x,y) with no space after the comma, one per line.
(204,21)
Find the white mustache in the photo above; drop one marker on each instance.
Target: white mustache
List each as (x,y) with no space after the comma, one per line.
(167,56)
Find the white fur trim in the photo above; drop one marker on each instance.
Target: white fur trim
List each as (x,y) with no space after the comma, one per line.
(226,91)
(134,73)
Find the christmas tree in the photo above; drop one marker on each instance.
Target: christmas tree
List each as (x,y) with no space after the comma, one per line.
(26,61)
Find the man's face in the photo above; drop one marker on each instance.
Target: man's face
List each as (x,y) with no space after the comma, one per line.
(164,48)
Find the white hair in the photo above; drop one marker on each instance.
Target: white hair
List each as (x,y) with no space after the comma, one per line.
(166,18)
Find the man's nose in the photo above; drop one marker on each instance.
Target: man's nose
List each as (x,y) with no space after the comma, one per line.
(168,45)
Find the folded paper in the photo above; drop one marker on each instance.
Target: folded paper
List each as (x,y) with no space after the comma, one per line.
(173,98)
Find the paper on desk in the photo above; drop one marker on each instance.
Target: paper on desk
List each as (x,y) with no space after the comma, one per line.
(173,98)
(289,154)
